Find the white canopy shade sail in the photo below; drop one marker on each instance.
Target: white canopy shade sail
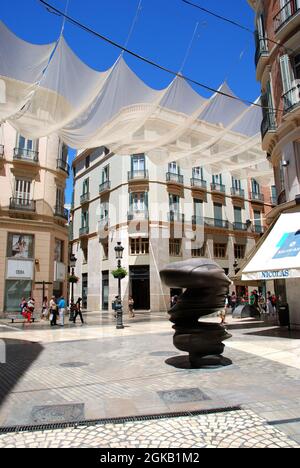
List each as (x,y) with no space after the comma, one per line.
(47,89)
(279,255)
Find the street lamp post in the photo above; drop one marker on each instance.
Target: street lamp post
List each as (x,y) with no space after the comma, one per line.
(73,260)
(119,249)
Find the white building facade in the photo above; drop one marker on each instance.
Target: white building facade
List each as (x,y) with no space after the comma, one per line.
(160,214)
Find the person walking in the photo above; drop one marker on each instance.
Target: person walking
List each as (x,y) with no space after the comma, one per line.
(53,311)
(78,310)
(61,311)
(233,301)
(131,306)
(45,311)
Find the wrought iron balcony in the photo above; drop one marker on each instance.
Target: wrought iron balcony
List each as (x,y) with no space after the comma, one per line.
(174,216)
(285,15)
(138,215)
(291,99)
(1,151)
(217,223)
(21,154)
(63,165)
(199,183)
(84,231)
(21,204)
(138,175)
(236,192)
(269,123)
(172,177)
(262,49)
(238,226)
(61,212)
(258,197)
(105,186)
(85,198)
(218,188)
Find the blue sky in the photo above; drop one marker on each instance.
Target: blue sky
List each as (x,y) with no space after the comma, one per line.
(162,33)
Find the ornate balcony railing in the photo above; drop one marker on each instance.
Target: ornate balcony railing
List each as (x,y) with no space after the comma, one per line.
(141,215)
(84,231)
(199,183)
(218,188)
(105,186)
(21,204)
(172,177)
(235,192)
(268,123)
(262,49)
(63,165)
(21,154)
(238,226)
(138,175)
(61,212)
(257,197)
(291,99)
(218,223)
(85,198)
(290,9)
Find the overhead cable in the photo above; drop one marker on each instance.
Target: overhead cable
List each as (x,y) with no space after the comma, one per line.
(51,8)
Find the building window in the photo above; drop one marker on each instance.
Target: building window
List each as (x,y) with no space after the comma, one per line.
(104,210)
(218,211)
(139,246)
(105,174)
(60,197)
(87,162)
(174,168)
(175,247)
(138,201)
(198,209)
(239,251)
(105,250)
(237,215)
(84,219)
(59,251)
(255,187)
(85,256)
(198,173)
(138,163)
(217,179)
(22,191)
(220,250)
(85,187)
(257,221)
(20,246)
(26,145)
(174,203)
(199,252)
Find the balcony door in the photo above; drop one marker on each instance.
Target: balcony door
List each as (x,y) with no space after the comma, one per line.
(198,173)
(138,201)
(174,203)
(22,191)
(138,163)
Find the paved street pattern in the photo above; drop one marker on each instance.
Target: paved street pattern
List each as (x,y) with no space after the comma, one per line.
(241,429)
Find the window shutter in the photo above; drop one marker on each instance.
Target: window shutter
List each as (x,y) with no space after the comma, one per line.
(146,201)
(286,73)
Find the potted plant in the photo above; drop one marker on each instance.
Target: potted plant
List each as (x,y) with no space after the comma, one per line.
(119,273)
(73,279)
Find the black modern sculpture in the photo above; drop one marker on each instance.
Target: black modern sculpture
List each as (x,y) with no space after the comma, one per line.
(206,287)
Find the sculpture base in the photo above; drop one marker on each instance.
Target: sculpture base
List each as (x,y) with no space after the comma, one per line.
(194,362)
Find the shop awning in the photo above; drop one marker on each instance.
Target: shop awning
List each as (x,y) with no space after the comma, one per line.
(279,255)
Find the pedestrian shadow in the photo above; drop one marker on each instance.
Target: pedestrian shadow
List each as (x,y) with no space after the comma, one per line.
(20,355)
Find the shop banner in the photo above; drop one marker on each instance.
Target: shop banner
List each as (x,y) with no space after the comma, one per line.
(19,269)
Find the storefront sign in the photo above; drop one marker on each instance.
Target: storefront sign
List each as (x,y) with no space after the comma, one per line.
(59,271)
(19,269)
